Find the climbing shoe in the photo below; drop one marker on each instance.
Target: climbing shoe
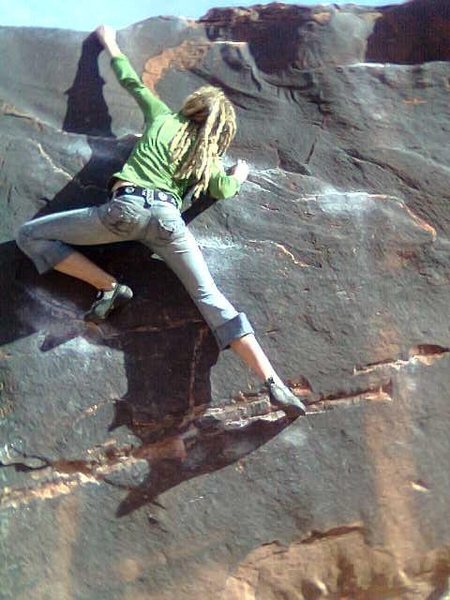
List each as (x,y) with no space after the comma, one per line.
(107,301)
(282,397)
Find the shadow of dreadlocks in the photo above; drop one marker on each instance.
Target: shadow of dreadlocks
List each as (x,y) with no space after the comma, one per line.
(168,350)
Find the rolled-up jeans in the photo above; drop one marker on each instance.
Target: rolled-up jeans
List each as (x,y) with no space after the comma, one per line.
(157,224)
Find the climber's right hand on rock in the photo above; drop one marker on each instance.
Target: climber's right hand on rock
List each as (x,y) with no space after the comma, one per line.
(240,170)
(106,34)
(107,37)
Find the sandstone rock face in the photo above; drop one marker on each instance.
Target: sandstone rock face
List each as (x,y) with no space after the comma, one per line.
(135,462)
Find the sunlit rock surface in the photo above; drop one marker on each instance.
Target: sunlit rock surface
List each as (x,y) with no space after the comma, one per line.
(136,463)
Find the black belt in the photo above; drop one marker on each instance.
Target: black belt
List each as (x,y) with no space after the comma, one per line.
(148,194)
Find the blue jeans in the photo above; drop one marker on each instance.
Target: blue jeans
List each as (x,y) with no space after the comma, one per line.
(156,224)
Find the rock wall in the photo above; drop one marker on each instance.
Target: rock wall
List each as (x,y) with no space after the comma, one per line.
(135,462)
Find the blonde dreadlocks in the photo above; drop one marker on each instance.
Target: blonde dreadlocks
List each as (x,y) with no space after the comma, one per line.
(206,135)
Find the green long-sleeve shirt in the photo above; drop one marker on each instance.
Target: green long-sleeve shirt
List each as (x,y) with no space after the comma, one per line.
(150,164)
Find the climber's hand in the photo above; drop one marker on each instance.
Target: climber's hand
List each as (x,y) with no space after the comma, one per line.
(240,170)
(107,37)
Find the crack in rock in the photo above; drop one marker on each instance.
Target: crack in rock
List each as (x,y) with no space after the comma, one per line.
(380,393)
(196,356)
(50,161)
(284,251)
(107,331)
(424,354)
(11,498)
(316,140)
(9,110)
(339,531)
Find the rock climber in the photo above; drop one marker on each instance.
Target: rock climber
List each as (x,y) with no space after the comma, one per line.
(176,152)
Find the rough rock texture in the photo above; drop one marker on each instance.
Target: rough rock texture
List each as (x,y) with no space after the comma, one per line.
(135,462)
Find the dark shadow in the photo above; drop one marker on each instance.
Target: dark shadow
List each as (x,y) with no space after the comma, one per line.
(192,455)
(167,348)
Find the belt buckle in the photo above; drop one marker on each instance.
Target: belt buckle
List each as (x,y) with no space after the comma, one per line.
(149,195)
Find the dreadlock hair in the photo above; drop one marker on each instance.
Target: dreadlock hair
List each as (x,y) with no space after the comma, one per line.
(210,129)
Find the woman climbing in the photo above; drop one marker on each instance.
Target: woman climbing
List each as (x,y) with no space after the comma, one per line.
(176,151)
